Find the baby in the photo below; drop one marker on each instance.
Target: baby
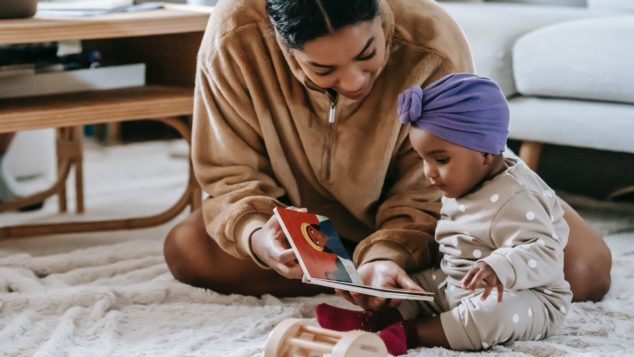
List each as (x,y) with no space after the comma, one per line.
(501,231)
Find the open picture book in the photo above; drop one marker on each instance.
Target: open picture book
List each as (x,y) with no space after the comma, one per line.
(325,261)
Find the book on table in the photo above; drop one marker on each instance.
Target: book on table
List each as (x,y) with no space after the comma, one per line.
(92,7)
(324,260)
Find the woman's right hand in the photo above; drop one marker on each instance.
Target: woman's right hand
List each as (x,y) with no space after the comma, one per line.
(381,274)
(269,244)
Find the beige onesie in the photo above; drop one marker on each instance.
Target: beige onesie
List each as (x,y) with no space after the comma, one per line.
(515,224)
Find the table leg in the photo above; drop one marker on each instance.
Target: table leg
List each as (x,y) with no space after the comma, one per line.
(79,167)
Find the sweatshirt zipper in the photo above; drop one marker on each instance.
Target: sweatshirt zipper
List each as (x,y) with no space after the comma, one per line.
(331,124)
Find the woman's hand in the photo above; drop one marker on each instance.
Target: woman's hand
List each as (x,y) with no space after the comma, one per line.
(482,273)
(269,244)
(384,274)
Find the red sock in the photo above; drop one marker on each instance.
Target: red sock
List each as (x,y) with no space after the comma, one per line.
(399,337)
(338,319)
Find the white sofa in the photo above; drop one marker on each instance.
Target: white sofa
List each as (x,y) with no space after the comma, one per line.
(568,71)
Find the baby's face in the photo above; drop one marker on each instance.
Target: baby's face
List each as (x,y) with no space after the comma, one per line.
(454,169)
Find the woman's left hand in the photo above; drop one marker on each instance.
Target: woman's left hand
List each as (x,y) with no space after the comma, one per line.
(383,274)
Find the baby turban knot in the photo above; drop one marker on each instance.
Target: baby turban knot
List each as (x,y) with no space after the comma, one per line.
(410,104)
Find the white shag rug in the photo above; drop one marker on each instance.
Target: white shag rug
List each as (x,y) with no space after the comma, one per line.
(110,293)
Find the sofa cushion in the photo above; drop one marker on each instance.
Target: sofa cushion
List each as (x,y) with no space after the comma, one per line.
(586,59)
(493,28)
(573,123)
(627,5)
(582,3)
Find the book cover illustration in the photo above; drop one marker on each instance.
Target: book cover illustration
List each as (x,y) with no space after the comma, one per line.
(322,253)
(323,258)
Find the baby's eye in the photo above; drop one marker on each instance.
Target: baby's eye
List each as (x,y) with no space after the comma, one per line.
(442,161)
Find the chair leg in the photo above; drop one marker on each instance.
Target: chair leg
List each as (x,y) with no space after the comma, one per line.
(530,152)
(61,158)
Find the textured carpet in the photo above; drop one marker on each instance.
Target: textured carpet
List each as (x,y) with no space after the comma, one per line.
(110,293)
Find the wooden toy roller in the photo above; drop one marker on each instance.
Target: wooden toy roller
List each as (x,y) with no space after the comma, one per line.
(297,338)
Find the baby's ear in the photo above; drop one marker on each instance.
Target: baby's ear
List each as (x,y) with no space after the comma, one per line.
(488,159)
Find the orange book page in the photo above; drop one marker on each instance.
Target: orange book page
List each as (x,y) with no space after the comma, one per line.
(317,244)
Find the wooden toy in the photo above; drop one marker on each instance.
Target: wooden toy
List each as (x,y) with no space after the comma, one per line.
(298,338)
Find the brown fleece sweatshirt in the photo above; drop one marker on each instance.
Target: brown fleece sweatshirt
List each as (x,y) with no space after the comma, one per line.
(262,137)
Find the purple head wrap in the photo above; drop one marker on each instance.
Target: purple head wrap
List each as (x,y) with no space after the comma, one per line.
(462,108)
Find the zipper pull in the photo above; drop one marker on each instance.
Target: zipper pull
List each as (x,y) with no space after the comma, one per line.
(331,124)
(331,114)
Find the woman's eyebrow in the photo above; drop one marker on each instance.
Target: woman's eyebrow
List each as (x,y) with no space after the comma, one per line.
(367,45)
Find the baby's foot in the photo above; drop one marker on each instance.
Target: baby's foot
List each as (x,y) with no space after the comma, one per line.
(399,337)
(338,319)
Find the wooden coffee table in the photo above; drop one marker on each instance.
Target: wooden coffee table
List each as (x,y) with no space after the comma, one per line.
(166,40)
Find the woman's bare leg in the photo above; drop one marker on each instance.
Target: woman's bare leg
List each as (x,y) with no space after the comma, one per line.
(587,259)
(196,259)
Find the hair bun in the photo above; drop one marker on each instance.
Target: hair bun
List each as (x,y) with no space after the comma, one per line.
(410,104)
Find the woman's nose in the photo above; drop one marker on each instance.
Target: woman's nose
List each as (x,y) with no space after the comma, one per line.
(352,80)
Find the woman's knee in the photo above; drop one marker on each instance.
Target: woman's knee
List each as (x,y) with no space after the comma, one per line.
(590,278)
(179,244)
(587,259)
(194,258)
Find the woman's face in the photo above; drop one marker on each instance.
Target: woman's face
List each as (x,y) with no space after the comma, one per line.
(347,60)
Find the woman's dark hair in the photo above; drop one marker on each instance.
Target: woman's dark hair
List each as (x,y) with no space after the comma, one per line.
(299,21)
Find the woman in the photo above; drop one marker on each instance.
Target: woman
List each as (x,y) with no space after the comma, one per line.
(296,105)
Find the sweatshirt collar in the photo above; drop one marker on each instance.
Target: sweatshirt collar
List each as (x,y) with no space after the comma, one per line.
(387,17)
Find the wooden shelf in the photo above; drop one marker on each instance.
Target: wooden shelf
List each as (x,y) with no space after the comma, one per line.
(92,107)
(171,20)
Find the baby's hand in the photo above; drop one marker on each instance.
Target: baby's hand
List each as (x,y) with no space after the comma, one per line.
(483,273)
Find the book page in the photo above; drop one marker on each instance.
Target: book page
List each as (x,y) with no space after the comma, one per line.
(325,261)
(317,246)
(399,294)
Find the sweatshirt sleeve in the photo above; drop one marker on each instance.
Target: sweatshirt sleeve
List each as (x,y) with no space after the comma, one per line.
(228,155)
(406,218)
(530,249)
